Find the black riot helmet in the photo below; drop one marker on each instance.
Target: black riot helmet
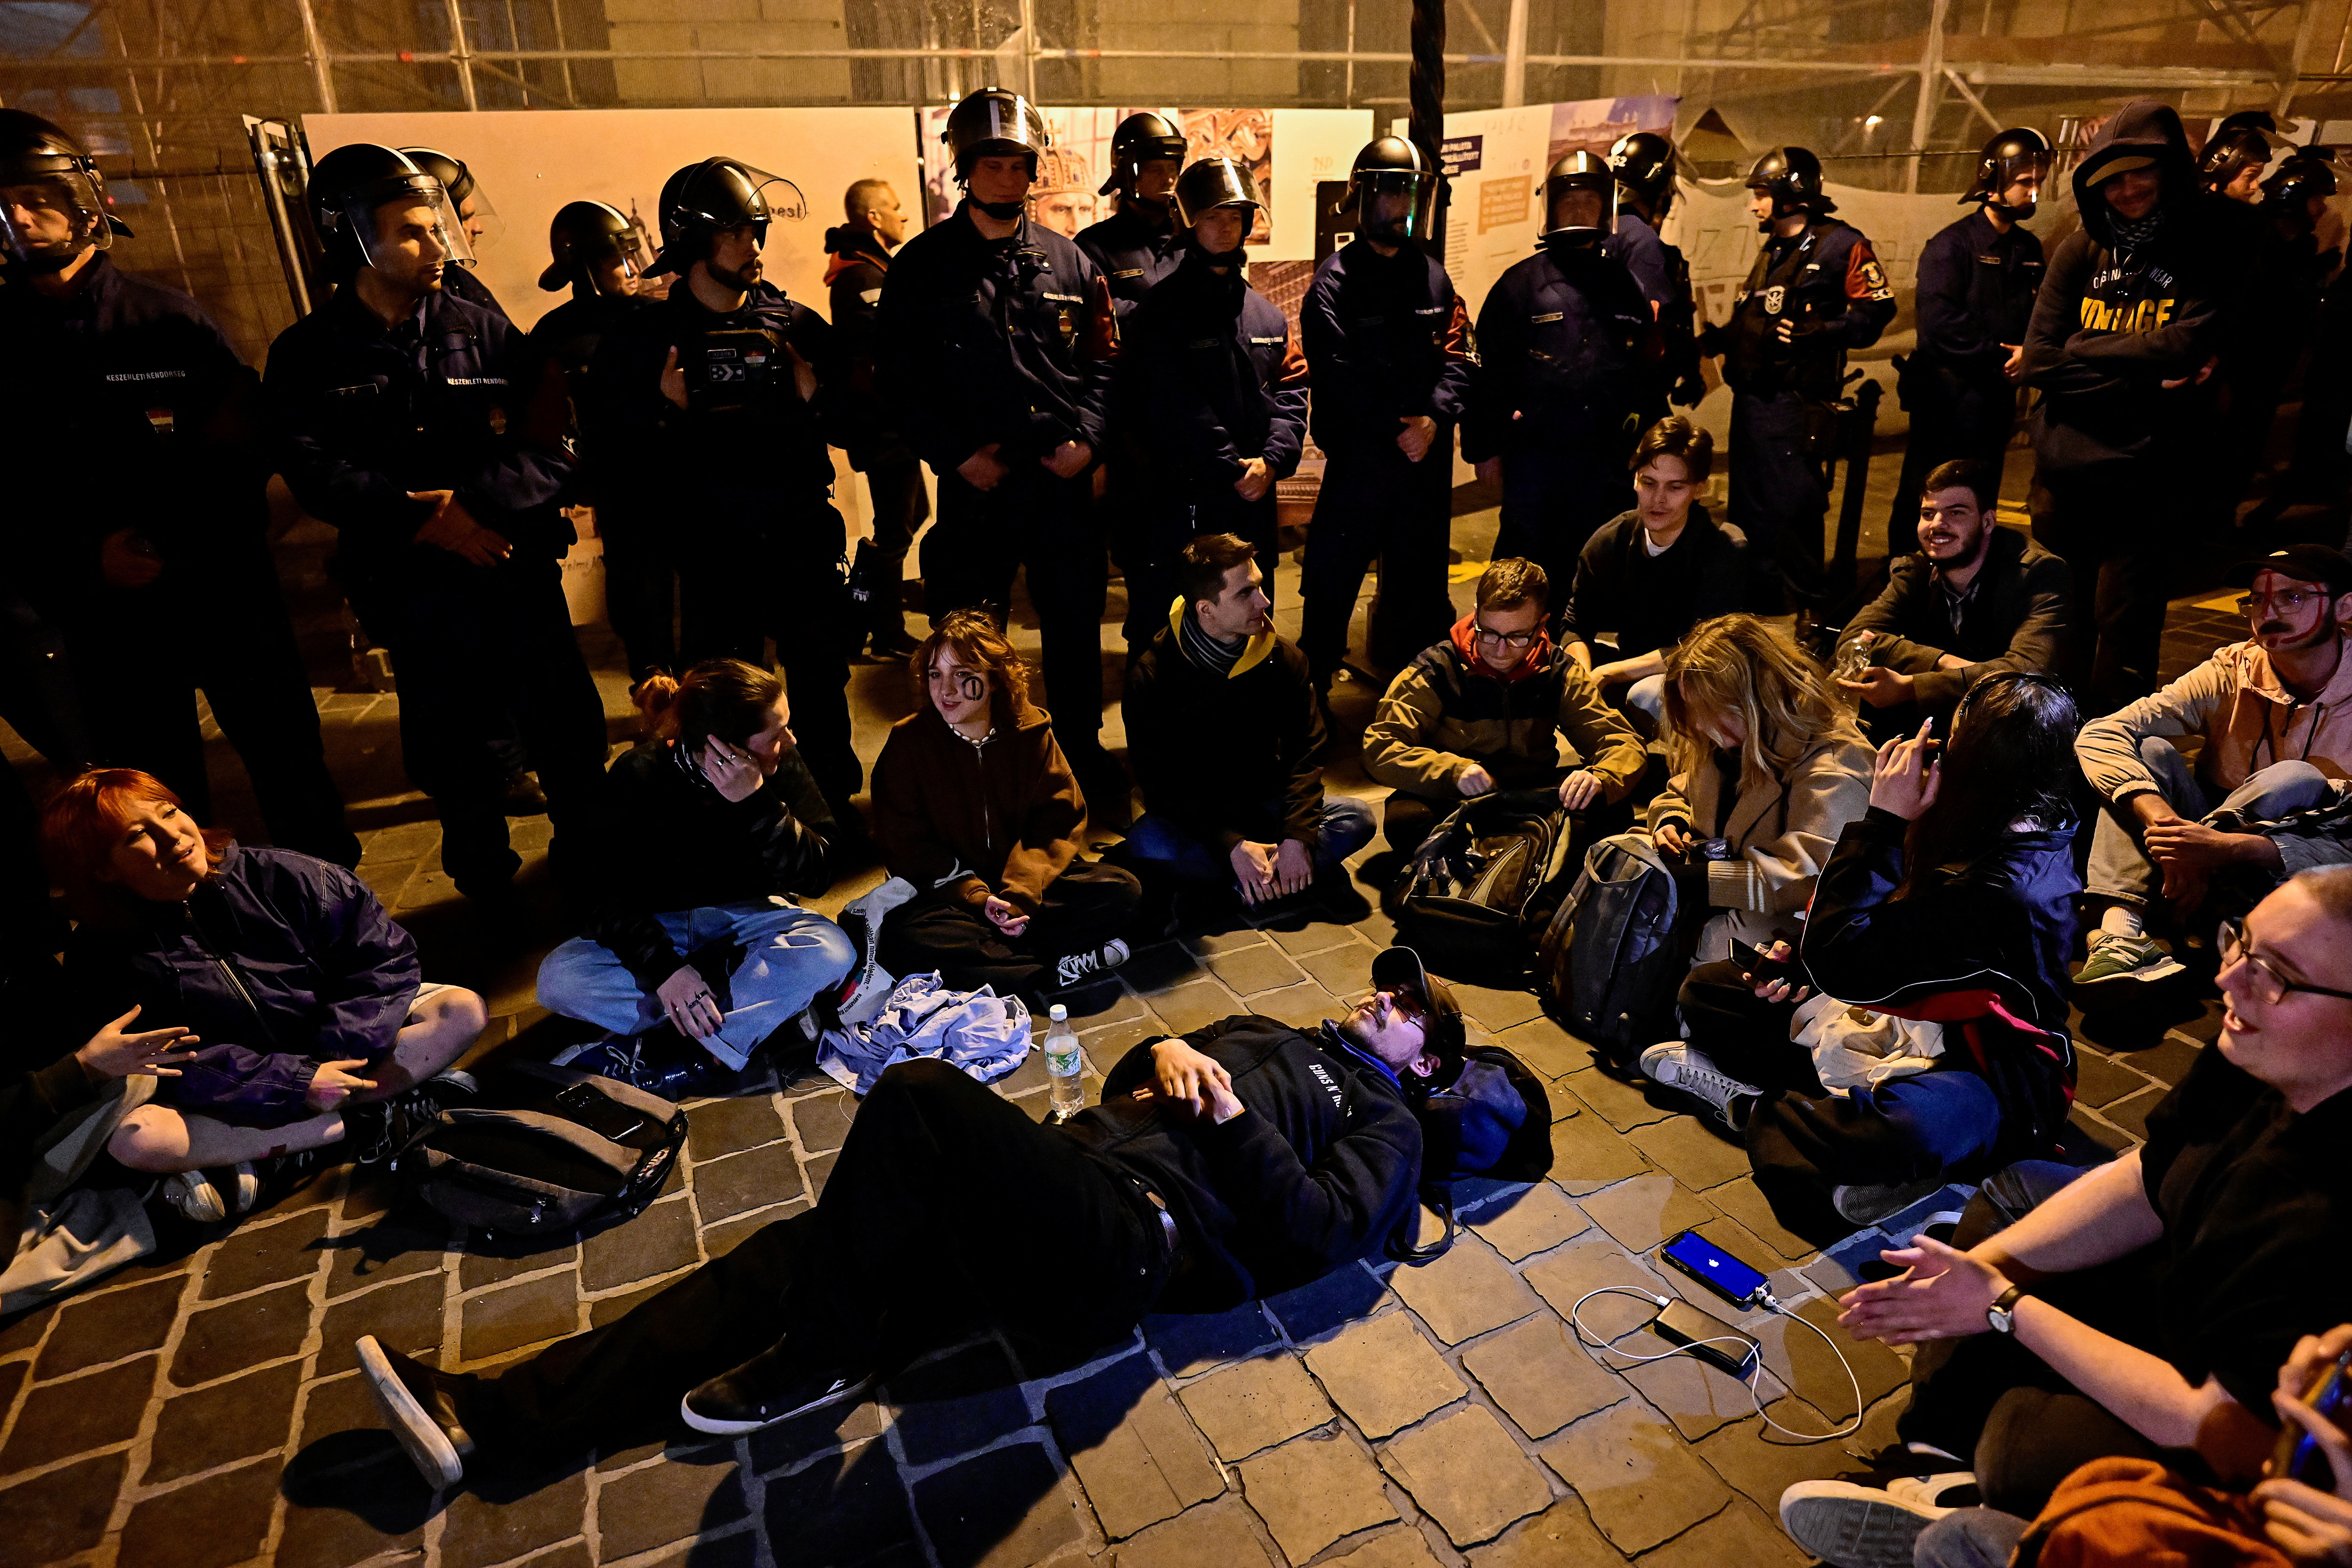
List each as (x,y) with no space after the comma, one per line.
(59,204)
(1393,168)
(1792,175)
(1579,173)
(2005,157)
(1139,139)
(2233,150)
(702,199)
(2287,193)
(1213,183)
(993,122)
(1644,163)
(585,234)
(349,184)
(483,225)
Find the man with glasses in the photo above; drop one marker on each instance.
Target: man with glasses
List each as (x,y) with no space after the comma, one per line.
(2275,713)
(2144,1305)
(1238,1161)
(1484,710)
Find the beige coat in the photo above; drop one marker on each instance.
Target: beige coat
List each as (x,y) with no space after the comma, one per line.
(1780,834)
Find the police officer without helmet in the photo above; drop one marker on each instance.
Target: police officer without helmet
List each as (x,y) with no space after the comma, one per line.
(1564,340)
(142,560)
(994,348)
(1644,163)
(860,250)
(1816,290)
(1977,282)
(1387,346)
(423,430)
(712,410)
(1215,390)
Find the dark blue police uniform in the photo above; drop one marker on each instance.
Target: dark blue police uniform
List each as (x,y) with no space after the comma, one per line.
(1132,255)
(1976,295)
(450,398)
(1663,276)
(893,477)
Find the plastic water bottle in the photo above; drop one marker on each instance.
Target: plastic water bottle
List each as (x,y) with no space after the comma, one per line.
(1062,1061)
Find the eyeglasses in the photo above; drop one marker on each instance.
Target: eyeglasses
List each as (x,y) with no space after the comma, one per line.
(2286,601)
(2269,986)
(1413,1009)
(1506,639)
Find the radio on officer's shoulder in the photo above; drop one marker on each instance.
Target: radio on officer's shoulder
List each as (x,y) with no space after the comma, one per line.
(728,368)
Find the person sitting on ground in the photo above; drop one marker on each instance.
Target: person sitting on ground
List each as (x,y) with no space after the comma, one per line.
(1651,573)
(1769,769)
(1238,1161)
(1952,900)
(2275,713)
(2144,1305)
(1484,710)
(974,804)
(1224,731)
(317,1029)
(1977,599)
(716,822)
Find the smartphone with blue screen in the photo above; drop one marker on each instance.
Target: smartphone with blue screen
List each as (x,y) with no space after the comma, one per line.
(1717,1269)
(2299,1456)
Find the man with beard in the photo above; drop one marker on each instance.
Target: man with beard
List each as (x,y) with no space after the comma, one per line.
(710,414)
(1977,599)
(2275,713)
(860,251)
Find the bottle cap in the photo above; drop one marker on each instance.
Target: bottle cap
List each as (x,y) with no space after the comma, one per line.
(1058,1013)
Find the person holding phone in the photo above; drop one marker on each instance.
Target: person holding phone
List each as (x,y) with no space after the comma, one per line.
(697,951)
(976,807)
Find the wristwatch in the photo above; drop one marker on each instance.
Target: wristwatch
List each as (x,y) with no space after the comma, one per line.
(2001,1314)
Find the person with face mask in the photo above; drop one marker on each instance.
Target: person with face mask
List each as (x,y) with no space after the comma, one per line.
(1644,163)
(165,586)
(1565,340)
(859,252)
(1976,600)
(1388,348)
(2274,714)
(1141,243)
(1213,387)
(710,414)
(476,215)
(2136,311)
(1976,286)
(994,346)
(426,433)
(1815,292)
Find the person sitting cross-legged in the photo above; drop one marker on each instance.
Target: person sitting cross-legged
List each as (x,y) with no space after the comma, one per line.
(1484,710)
(976,805)
(2274,715)
(716,823)
(1224,730)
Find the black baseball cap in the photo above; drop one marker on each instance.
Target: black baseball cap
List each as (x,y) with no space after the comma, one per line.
(1402,967)
(2304,562)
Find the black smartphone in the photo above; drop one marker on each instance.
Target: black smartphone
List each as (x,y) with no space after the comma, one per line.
(1720,1272)
(1709,1339)
(1766,968)
(2299,1456)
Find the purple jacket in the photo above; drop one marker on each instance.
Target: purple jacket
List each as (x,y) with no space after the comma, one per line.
(278,962)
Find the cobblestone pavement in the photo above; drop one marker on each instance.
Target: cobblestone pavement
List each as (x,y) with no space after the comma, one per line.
(201,1409)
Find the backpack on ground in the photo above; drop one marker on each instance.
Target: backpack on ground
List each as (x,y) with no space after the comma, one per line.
(1493,1121)
(1470,902)
(544,1151)
(1611,959)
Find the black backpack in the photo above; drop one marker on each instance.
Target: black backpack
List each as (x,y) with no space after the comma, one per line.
(1611,959)
(1496,1087)
(545,1151)
(1473,899)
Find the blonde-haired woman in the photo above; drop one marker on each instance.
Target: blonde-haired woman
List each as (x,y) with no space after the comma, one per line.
(1769,769)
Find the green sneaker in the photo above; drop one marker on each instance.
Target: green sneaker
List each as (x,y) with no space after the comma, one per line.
(2115,957)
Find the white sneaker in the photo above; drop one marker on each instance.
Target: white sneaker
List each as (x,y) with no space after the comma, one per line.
(1678,1066)
(244,1189)
(1078,968)
(1849,1526)
(193,1194)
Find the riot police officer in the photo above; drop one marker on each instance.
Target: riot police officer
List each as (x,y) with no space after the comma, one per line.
(1976,283)
(2232,163)
(139,490)
(1816,290)
(860,249)
(1216,390)
(1644,163)
(476,215)
(1142,242)
(2292,273)
(1388,348)
(1563,340)
(421,428)
(994,346)
(710,418)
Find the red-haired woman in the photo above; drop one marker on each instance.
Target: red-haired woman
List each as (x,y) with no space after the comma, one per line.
(306,996)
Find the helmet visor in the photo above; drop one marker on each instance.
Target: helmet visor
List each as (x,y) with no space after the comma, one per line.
(1580,206)
(1211,184)
(399,230)
(1395,203)
(2017,165)
(479,219)
(49,217)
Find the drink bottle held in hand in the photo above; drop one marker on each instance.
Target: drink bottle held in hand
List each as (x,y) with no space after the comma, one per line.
(1062,1061)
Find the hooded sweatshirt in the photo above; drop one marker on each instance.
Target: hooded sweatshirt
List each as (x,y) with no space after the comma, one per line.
(971,821)
(2247,719)
(2121,313)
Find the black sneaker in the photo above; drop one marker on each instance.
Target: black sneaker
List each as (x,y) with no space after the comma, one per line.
(1084,968)
(661,1062)
(377,1131)
(421,1405)
(774,1385)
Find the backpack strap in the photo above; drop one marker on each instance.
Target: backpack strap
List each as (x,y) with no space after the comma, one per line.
(1439,1197)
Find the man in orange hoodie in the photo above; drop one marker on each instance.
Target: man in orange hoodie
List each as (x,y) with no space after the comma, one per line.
(2276,716)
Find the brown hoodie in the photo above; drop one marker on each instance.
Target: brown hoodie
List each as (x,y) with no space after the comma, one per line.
(971,820)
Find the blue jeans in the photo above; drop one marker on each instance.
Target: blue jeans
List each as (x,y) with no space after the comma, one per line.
(2119,869)
(788,955)
(1156,844)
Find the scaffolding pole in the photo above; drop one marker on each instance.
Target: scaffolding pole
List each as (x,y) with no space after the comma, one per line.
(1515,55)
(1931,92)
